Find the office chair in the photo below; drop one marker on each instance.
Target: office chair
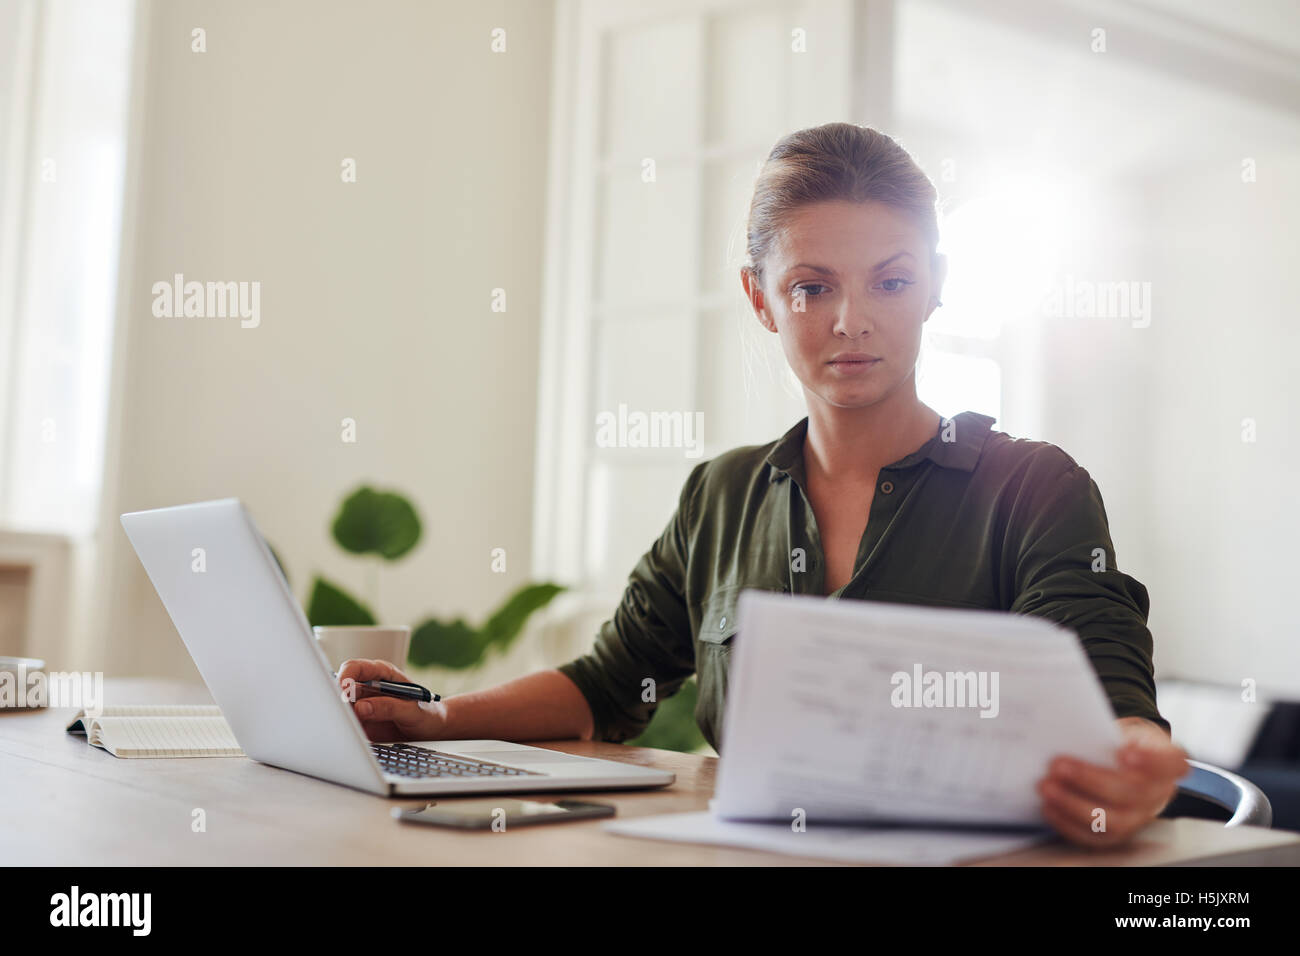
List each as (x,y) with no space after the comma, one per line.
(1211,792)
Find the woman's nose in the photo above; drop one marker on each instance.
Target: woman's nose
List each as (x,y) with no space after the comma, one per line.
(853,322)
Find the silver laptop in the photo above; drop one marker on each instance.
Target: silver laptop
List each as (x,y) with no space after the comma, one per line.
(253,646)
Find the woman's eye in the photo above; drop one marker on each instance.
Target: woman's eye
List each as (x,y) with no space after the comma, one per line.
(899,286)
(810,285)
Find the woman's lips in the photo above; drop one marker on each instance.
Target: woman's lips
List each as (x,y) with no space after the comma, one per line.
(853,364)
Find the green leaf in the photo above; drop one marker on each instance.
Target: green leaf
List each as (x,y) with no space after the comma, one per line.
(331,606)
(508,620)
(456,645)
(376,522)
(673,726)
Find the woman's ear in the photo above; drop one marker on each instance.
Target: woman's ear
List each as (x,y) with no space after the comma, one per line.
(938,273)
(754,293)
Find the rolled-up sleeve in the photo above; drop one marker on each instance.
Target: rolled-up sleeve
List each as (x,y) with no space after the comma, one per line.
(1061,562)
(645,652)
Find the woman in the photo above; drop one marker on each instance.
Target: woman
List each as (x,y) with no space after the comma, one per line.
(873,496)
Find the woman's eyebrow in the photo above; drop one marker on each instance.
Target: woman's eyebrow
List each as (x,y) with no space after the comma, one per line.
(823,270)
(896,255)
(807,265)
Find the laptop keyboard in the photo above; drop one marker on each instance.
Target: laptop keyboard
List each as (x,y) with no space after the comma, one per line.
(407,760)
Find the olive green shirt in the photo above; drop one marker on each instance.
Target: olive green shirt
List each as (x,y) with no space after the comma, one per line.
(972,519)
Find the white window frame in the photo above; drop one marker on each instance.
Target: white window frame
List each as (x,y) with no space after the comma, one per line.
(570,317)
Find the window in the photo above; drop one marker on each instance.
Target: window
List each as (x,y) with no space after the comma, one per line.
(63,107)
(663,113)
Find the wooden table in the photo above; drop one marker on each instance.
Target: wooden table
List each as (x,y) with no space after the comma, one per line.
(67,803)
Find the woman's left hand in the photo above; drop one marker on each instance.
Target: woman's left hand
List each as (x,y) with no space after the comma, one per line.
(1104,807)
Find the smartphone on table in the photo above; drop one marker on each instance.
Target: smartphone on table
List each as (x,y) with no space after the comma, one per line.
(483,814)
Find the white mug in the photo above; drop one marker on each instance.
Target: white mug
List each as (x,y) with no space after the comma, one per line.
(388,643)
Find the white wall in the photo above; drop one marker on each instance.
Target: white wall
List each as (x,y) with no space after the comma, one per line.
(1224,523)
(375,295)
(1204,519)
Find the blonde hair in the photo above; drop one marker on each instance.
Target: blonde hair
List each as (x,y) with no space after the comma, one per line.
(836,161)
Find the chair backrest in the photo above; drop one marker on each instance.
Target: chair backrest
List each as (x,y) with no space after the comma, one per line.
(1244,802)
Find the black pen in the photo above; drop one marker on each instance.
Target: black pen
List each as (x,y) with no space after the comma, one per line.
(397,688)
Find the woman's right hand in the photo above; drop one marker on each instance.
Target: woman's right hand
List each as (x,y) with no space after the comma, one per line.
(386,719)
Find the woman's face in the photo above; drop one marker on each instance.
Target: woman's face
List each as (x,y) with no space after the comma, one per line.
(847,286)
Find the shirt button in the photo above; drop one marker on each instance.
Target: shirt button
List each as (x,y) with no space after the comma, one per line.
(723,623)
(887,487)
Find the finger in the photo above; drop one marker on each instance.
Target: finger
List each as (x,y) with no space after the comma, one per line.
(1083,810)
(353,692)
(1081,834)
(387,708)
(1068,828)
(1155,761)
(359,669)
(1105,786)
(1132,810)
(356,692)
(394,672)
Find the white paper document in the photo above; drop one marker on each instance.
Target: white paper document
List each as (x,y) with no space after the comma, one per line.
(861,711)
(845,844)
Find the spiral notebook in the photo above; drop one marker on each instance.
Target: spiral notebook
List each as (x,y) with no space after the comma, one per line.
(158,730)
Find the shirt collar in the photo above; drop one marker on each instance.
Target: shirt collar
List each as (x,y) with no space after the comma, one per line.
(967,432)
